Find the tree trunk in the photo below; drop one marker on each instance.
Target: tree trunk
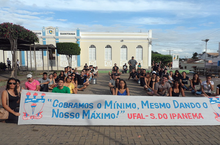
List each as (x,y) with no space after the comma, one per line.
(69,58)
(13,43)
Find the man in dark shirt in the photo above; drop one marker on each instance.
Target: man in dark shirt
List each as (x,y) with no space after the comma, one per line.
(133,74)
(125,68)
(85,66)
(82,81)
(142,77)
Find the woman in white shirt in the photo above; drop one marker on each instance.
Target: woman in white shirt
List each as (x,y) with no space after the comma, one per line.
(207,87)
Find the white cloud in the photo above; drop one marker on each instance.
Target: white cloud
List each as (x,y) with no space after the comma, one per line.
(63,20)
(152,21)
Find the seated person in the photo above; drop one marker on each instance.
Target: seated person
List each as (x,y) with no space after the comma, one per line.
(177,76)
(139,66)
(44,83)
(66,71)
(184,81)
(52,82)
(217,89)
(196,85)
(74,81)
(162,87)
(150,82)
(176,90)
(85,66)
(56,78)
(170,79)
(122,89)
(96,72)
(137,77)
(61,88)
(207,87)
(125,68)
(152,87)
(32,84)
(70,85)
(61,75)
(133,74)
(142,77)
(161,72)
(115,69)
(111,84)
(83,81)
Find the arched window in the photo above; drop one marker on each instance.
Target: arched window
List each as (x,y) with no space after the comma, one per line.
(124,52)
(139,52)
(108,53)
(92,53)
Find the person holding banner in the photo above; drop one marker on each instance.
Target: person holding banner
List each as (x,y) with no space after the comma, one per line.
(61,88)
(162,88)
(122,90)
(176,90)
(70,85)
(10,101)
(207,87)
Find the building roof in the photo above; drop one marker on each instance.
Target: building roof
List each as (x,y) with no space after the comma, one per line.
(213,54)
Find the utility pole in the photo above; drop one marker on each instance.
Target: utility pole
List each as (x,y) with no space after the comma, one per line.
(206,41)
(170,51)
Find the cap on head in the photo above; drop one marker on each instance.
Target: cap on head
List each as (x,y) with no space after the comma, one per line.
(153,72)
(29,76)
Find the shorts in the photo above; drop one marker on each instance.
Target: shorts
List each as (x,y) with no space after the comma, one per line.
(80,86)
(209,94)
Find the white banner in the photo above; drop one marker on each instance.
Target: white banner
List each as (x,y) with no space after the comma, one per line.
(175,61)
(70,109)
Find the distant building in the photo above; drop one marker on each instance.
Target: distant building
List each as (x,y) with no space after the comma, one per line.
(101,49)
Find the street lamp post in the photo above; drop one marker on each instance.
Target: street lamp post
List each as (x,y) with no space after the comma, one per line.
(206,41)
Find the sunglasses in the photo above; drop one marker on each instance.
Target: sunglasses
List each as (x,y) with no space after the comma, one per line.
(12,83)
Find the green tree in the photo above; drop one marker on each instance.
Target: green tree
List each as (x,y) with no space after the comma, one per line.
(156,57)
(13,33)
(68,49)
(195,55)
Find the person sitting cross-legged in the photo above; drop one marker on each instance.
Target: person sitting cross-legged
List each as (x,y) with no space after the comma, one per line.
(61,88)
(82,80)
(162,87)
(32,84)
(44,83)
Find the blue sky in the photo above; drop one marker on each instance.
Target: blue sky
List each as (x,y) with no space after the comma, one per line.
(177,25)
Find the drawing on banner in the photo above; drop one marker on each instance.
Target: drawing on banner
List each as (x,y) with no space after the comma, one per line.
(215,104)
(175,62)
(33,106)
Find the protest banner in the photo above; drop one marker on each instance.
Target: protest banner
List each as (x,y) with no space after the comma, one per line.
(74,109)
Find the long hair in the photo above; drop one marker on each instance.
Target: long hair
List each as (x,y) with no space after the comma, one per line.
(117,85)
(178,83)
(125,87)
(8,87)
(179,75)
(197,78)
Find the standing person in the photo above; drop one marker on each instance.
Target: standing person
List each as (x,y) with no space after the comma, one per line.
(9,63)
(61,88)
(18,64)
(162,88)
(70,85)
(176,90)
(44,83)
(125,68)
(196,85)
(32,84)
(52,82)
(123,89)
(132,64)
(10,101)
(207,87)
(82,81)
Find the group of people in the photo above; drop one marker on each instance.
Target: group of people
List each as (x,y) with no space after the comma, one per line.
(160,82)
(68,81)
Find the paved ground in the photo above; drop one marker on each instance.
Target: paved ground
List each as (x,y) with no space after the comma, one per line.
(80,135)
